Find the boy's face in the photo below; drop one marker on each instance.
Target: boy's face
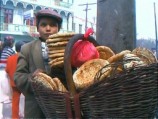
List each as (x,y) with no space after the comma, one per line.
(46,27)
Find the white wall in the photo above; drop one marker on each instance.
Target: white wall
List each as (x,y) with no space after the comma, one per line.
(80,14)
(18,16)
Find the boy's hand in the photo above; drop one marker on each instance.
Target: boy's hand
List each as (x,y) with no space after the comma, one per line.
(38,71)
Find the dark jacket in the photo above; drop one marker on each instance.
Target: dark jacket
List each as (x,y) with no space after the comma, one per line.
(30,59)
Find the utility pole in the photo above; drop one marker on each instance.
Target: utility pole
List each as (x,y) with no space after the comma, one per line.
(86,12)
(116,24)
(155,29)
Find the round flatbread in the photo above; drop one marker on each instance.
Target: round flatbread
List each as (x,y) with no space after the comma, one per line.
(84,76)
(145,55)
(56,60)
(105,52)
(57,64)
(51,83)
(56,51)
(41,81)
(118,56)
(50,48)
(61,35)
(60,86)
(48,79)
(56,55)
(60,39)
(57,44)
(131,60)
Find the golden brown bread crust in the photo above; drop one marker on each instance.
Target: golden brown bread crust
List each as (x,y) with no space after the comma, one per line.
(57,44)
(56,60)
(53,83)
(48,79)
(105,52)
(61,35)
(41,81)
(60,86)
(56,55)
(56,51)
(57,64)
(145,55)
(84,76)
(118,56)
(56,48)
(58,39)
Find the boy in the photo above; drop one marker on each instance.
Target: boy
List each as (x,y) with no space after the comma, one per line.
(34,59)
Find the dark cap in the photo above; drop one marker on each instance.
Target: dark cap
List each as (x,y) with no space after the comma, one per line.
(18,45)
(8,40)
(48,13)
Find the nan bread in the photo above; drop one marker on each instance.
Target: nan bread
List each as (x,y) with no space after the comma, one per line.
(61,35)
(131,60)
(105,52)
(56,51)
(51,83)
(84,76)
(56,60)
(58,44)
(118,56)
(41,82)
(60,39)
(50,48)
(57,55)
(57,64)
(145,55)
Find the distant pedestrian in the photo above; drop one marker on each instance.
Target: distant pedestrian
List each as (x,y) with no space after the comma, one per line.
(10,69)
(1,45)
(7,50)
(5,88)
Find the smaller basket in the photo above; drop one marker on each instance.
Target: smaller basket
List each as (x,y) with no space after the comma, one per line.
(54,104)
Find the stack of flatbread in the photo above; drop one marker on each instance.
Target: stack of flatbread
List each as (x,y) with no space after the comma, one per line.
(56,47)
(47,82)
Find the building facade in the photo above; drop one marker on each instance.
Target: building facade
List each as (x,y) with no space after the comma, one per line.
(17,17)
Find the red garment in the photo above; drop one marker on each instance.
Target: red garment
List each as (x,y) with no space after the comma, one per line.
(10,69)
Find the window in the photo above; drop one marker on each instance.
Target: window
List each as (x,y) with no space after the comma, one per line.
(30,22)
(8,16)
(80,28)
(74,27)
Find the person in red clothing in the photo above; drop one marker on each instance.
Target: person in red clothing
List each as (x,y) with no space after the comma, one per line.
(10,69)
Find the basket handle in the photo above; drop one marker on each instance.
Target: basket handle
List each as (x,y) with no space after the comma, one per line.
(67,60)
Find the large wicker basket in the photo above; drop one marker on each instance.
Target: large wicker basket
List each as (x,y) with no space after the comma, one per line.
(131,94)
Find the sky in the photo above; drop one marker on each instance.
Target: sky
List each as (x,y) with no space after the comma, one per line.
(145,19)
